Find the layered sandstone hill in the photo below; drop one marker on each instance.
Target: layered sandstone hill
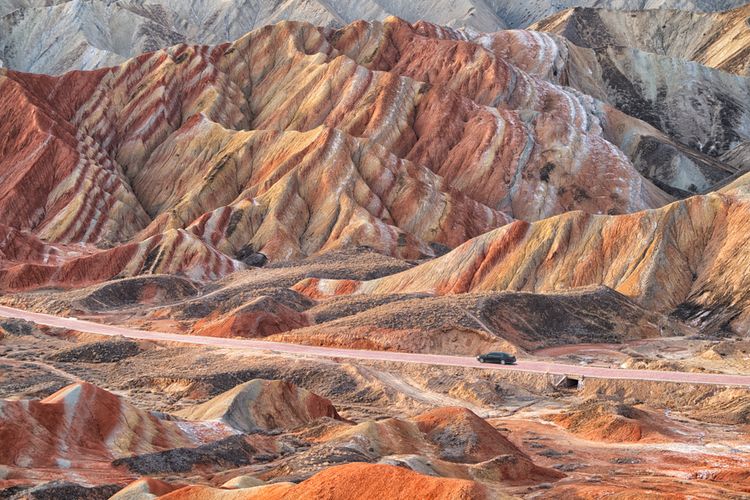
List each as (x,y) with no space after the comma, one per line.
(55,36)
(703,109)
(293,141)
(719,40)
(357,480)
(264,405)
(524,71)
(615,423)
(687,259)
(269,428)
(81,429)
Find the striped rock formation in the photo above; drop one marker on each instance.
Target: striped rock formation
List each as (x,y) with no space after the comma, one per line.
(718,40)
(55,36)
(263,405)
(448,442)
(85,434)
(187,160)
(703,109)
(78,431)
(356,480)
(642,85)
(668,68)
(688,258)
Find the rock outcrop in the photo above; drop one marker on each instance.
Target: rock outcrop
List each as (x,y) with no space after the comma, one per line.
(77,423)
(412,158)
(718,40)
(77,432)
(263,405)
(55,36)
(686,259)
(343,482)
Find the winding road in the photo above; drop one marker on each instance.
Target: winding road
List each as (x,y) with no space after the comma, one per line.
(542,367)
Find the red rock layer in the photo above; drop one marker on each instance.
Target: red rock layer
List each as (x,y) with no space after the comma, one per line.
(521,71)
(349,481)
(689,257)
(80,428)
(280,143)
(175,251)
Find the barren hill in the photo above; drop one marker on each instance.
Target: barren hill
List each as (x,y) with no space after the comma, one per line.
(54,36)
(686,259)
(293,141)
(719,40)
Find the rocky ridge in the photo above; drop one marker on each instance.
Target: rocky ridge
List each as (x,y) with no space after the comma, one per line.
(435,137)
(684,259)
(55,36)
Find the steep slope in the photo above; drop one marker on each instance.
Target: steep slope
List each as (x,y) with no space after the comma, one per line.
(687,258)
(194,159)
(700,107)
(718,40)
(523,71)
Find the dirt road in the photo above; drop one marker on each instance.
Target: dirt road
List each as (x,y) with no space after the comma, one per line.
(400,357)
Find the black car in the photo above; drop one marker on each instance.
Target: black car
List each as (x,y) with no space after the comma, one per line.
(502,358)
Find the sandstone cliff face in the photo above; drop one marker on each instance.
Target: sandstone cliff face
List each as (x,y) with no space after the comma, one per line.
(189,159)
(687,258)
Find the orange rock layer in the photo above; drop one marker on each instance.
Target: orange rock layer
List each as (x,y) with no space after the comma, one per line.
(689,258)
(293,141)
(349,481)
